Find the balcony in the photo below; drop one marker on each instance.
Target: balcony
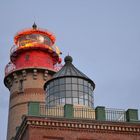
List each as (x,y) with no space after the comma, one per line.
(69,111)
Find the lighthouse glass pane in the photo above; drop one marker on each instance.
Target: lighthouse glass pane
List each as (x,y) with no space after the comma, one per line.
(81,88)
(74,80)
(68,86)
(69,90)
(80,81)
(81,101)
(75,94)
(68,80)
(81,95)
(74,86)
(62,81)
(68,101)
(62,87)
(68,94)
(62,95)
(75,100)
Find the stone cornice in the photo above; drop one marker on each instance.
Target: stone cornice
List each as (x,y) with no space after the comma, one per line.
(79,125)
(13,76)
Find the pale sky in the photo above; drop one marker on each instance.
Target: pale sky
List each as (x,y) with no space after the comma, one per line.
(102,36)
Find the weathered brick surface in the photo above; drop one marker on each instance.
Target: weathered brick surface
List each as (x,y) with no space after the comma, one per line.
(34,128)
(42,134)
(18,106)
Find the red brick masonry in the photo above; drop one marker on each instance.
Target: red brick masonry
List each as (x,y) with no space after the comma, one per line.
(37,128)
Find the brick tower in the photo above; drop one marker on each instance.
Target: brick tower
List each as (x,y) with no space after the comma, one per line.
(33,62)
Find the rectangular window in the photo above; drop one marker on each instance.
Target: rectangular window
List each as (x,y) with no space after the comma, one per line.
(20,85)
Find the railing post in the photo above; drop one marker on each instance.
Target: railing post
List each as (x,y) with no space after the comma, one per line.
(68,111)
(34,108)
(132,115)
(100,113)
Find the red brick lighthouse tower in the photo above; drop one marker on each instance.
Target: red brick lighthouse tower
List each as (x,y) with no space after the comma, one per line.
(33,62)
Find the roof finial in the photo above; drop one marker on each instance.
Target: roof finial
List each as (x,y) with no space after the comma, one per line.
(68,59)
(34,26)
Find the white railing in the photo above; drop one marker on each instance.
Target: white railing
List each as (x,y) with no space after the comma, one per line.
(9,68)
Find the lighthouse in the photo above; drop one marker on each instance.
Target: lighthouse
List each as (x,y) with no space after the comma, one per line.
(34,59)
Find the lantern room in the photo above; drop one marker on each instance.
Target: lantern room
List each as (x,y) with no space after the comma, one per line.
(35,47)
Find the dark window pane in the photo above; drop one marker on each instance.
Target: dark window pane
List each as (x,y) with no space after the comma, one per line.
(68,80)
(89,85)
(68,86)
(47,87)
(68,93)
(81,88)
(74,94)
(80,81)
(55,88)
(57,95)
(62,87)
(74,86)
(81,95)
(51,91)
(86,89)
(85,83)
(90,92)
(62,94)
(56,82)
(90,98)
(62,81)
(74,80)
(51,84)
(51,97)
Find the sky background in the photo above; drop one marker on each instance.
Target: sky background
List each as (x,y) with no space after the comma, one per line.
(102,36)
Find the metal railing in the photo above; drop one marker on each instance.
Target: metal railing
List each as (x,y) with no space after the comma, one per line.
(52,111)
(81,112)
(58,111)
(115,115)
(85,113)
(9,68)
